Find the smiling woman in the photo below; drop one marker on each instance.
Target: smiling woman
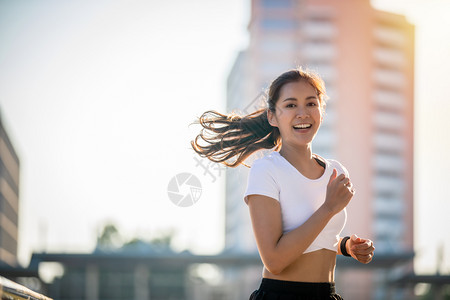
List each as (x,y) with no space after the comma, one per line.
(296,198)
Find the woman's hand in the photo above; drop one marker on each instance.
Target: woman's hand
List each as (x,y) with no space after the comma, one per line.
(339,192)
(360,249)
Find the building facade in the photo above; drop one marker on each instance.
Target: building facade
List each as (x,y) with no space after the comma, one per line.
(9,199)
(366,58)
(147,273)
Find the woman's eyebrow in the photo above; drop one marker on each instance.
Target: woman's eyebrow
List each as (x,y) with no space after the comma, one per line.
(307,98)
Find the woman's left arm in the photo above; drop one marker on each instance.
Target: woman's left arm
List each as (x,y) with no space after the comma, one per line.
(359,248)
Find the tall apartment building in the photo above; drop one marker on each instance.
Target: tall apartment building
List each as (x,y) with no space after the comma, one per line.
(9,199)
(366,58)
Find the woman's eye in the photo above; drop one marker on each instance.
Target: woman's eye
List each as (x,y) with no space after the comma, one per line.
(290,105)
(312,104)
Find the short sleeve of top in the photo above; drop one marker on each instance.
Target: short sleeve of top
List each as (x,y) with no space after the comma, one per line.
(299,197)
(339,167)
(261,180)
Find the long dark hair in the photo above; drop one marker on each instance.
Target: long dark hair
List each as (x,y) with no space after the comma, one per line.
(233,136)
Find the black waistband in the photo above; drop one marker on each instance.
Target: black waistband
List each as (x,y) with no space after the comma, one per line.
(298,288)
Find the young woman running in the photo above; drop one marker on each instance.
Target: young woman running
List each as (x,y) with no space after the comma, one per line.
(296,198)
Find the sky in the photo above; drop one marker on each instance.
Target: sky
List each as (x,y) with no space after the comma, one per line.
(97,98)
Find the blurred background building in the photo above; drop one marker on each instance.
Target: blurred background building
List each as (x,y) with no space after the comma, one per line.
(9,199)
(366,58)
(140,270)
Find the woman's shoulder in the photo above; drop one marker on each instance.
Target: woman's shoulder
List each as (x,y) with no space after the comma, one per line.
(269,159)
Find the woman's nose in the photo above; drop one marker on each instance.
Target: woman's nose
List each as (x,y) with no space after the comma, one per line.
(302,112)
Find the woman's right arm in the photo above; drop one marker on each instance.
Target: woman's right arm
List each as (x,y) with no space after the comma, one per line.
(278,250)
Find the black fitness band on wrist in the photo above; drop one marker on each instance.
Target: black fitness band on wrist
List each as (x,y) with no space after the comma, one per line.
(343,248)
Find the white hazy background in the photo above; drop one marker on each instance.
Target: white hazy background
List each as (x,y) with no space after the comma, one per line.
(97,97)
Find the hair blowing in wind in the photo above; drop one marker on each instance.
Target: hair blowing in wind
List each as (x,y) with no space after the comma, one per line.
(230,139)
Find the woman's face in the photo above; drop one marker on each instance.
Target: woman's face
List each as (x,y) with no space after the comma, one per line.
(298,113)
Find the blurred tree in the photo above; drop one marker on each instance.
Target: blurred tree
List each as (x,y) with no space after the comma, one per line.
(109,238)
(160,242)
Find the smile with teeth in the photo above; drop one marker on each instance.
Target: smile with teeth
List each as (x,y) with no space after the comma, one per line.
(302,126)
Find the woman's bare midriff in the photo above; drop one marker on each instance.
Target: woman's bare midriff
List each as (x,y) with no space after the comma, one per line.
(317,266)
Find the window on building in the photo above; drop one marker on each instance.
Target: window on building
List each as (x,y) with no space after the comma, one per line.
(277,3)
(279,24)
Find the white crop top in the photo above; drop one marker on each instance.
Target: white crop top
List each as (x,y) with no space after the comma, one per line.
(273,176)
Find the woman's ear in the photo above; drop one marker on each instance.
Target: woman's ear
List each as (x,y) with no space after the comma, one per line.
(271,118)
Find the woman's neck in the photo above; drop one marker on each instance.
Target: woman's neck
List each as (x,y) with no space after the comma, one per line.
(303,160)
(297,155)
